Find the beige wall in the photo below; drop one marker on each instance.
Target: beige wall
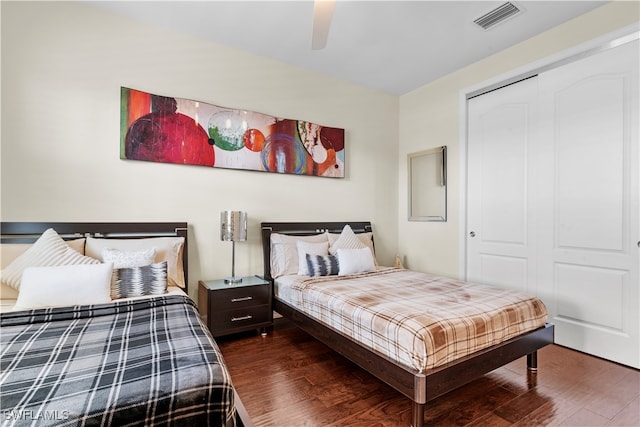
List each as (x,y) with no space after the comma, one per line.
(62,68)
(432,116)
(63,64)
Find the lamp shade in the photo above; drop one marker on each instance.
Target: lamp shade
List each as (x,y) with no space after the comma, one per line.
(233,226)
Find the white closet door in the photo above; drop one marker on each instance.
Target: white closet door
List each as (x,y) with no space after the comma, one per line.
(553,198)
(588,228)
(501,227)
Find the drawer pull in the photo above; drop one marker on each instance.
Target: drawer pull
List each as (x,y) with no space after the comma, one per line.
(237,319)
(241,299)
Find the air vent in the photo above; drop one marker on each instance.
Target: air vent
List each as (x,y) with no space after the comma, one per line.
(497,15)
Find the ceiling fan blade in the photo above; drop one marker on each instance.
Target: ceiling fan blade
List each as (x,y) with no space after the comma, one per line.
(322,14)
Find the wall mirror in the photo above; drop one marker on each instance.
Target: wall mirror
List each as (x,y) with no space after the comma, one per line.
(428,185)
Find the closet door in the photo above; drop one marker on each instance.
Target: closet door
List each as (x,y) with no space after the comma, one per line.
(554,194)
(500,225)
(588,228)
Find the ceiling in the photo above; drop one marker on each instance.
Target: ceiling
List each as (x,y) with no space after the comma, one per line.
(392,46)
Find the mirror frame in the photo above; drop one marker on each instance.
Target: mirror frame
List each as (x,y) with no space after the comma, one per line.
(414,186)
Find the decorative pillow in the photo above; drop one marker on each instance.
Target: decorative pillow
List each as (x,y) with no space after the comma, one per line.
(284,252)
(319,265)
(138,281)
(305,248)
(366,239)
(352,261)
(64,285)
(122,259)
(11,251)
(346,240)
(350,240)
(167,249)
(49,250)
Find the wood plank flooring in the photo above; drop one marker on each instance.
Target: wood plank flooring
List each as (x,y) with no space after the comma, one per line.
(290,379)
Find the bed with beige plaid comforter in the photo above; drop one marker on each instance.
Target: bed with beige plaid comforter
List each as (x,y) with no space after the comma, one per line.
(418,320)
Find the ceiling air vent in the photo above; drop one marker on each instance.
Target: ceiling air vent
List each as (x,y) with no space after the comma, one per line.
(497,15)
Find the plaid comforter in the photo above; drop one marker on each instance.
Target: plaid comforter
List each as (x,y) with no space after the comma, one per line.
(144,362)
(418,320)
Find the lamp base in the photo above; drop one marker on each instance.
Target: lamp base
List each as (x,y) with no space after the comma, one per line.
(232,280)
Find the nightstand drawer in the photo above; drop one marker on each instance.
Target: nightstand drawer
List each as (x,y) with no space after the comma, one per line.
(249,317)
(247,296)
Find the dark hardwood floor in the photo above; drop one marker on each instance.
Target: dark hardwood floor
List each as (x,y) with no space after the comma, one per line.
(290,379)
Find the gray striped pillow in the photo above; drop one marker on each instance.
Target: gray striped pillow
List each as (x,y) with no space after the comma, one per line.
(322,265)
(139,281)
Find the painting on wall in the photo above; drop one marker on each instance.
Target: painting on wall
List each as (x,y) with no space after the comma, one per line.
(172,130)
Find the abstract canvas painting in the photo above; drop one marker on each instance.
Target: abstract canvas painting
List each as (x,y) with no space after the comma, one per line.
(173,130)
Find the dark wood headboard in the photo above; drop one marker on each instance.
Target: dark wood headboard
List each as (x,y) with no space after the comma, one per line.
(303,229)
(28,232)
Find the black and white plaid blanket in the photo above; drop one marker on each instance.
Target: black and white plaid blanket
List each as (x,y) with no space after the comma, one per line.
(144,362)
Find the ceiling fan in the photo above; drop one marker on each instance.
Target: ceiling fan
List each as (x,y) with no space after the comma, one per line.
(322,14)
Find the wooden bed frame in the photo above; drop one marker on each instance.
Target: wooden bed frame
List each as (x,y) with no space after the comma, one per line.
(28,232)
(419,387)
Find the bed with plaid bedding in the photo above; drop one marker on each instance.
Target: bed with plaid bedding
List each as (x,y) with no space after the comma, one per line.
(140,362)
(418,320)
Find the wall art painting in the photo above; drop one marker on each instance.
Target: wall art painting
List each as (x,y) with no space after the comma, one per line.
(172,130)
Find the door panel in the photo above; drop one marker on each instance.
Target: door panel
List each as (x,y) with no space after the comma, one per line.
(589,127)
(582,298)
(504,150)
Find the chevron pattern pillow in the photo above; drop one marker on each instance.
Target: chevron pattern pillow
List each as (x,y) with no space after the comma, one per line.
(48,251)
(347,240)
(139,281)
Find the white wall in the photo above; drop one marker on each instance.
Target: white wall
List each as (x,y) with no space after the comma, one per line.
(432,116)
(63,64)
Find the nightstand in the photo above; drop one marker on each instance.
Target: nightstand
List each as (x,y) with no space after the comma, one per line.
(229,308)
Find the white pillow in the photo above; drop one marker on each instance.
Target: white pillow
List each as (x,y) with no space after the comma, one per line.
(49,250)
(305,248)
(346,240)
(168,249)
(366,238)
(352,261)
(284,252)
(11,251)
(350,240)
(129,259)
(64,286)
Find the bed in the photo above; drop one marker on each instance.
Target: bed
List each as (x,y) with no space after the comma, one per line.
(101,330)
(362,312)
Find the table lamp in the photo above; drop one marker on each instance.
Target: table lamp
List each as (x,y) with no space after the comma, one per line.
(233,228)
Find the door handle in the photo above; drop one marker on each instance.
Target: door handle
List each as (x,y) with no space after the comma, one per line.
(472,234)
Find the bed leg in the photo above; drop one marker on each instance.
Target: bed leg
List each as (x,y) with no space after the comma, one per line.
(417,414)
(532,361)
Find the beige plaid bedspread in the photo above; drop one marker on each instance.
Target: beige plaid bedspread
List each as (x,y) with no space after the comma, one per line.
(416,319)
